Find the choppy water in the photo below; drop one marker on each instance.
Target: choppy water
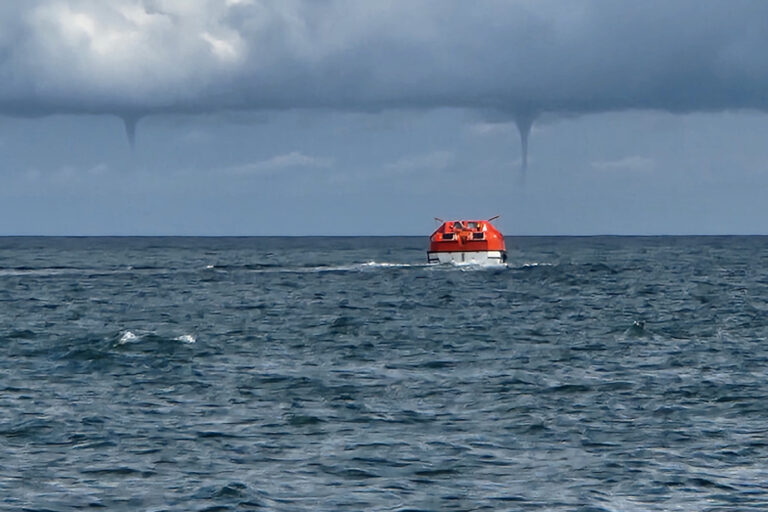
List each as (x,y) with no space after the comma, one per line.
(593,374)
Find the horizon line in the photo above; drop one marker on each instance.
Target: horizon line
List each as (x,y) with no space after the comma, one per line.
(599,235)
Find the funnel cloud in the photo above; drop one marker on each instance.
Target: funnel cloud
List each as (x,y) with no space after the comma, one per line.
(130,123)
(513,57)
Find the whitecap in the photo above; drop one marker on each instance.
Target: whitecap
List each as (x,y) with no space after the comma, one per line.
(127,337)
(186,338)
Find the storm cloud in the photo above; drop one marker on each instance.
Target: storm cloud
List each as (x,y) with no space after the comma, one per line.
(509,59)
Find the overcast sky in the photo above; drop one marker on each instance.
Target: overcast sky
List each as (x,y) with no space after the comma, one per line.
(346,117)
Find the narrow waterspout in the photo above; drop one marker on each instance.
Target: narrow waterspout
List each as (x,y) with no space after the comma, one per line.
(524,122)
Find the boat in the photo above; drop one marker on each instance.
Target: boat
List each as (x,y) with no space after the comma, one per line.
(467,241)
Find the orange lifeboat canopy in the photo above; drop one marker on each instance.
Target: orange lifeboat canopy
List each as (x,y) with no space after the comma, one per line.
(467,241)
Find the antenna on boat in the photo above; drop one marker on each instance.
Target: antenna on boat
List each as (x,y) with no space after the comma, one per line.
(438,219)
(493,218)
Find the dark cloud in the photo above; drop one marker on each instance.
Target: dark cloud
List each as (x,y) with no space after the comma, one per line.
(517,58)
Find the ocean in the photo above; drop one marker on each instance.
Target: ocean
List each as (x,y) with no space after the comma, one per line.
(344,374)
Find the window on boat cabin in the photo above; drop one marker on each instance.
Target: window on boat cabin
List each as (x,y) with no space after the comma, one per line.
(472,225)
(457,226)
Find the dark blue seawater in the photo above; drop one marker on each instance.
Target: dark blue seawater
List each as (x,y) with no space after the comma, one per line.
(343,374)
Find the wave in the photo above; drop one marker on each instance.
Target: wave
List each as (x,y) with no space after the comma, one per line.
(77,271)
(534,264)
(128,337)
(45,271)
(186,338)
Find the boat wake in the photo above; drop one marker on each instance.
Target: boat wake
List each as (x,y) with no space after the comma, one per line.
(367,266)
(310,269)
(359,267)
(376,264)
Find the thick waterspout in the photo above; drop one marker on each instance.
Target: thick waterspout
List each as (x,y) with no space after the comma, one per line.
(130,123)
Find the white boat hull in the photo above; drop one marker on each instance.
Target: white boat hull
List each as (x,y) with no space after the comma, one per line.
(468,257)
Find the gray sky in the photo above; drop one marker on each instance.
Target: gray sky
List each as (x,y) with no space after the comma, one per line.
(347,117)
